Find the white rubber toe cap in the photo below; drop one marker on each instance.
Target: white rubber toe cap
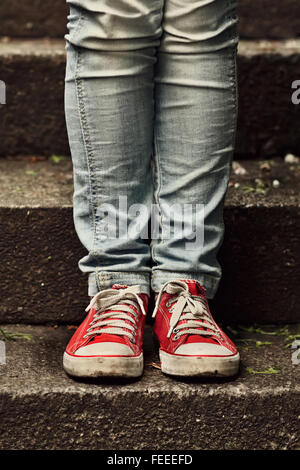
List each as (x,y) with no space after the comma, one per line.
(203,349)
(104,349)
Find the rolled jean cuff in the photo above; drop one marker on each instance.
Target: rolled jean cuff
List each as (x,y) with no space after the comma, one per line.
(101,280)
(210,283)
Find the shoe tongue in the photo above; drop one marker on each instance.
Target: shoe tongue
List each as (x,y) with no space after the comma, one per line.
(103,337)
(195,287)
(119,286)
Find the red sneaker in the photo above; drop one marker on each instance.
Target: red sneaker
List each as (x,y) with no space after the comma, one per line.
(109,341)
(191,343)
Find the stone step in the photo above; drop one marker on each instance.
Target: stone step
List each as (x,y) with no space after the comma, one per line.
(39,250)
(37,18)
(42,408)
(33,118)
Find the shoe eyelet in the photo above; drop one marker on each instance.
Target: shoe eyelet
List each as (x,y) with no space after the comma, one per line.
(168,303)
(132,340)
(175,338)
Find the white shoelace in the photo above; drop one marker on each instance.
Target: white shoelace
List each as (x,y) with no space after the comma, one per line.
(114,322)
(187,307)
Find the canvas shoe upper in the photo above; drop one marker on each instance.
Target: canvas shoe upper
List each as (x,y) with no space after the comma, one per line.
(187,332)
(109,340)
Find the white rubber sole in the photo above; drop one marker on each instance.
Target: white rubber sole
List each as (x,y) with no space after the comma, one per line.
(193,366)
(102,366)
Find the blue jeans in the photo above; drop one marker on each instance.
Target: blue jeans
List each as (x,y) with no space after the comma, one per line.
(150,106)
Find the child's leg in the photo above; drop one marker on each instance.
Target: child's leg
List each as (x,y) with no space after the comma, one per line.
(195,98)
(111,48)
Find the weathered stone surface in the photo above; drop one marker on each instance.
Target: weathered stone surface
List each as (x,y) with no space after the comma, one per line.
(42,408)
(33,119)
(39,249)
(36,18)
(269,19)
(267,116)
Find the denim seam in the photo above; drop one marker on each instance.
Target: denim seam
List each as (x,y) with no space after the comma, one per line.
(211,283)
(232,18)
(158,174)
(78,24)
(235,85)
(232,71)
(113,274)
(184,273)
(233,79)
(103,277)
(235,94)
(97,283)
(86,140)
(160,10)
(156,193)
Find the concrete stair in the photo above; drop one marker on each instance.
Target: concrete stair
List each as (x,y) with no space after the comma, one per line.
(42,408)
(43,295)
(40,280)
(271,19)
(34,119)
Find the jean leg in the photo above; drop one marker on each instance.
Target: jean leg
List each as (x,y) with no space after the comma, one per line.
(194,133)
(111,51)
